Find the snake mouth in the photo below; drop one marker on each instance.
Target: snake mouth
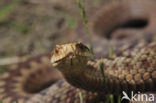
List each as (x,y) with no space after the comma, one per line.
(56,61)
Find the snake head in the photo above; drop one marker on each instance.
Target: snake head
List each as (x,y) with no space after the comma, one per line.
(68,54)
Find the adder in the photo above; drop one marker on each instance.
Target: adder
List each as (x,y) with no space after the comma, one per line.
(128,26)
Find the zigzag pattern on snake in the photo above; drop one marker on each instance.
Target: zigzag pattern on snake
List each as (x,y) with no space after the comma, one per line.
(127,25)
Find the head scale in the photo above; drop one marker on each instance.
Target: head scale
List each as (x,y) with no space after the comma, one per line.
(69,51)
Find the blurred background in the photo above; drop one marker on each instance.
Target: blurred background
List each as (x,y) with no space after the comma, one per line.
(35,26)
(32,27)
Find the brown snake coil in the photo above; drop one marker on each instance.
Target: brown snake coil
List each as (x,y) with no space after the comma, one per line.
(128,25)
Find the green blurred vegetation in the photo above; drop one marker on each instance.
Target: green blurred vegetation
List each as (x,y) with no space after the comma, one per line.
(85,21)
(3,68)
(7,9)
(81,97)
(4,21)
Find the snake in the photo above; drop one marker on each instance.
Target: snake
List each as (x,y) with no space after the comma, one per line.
(128,26)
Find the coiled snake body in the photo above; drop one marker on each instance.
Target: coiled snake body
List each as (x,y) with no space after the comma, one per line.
(127,25)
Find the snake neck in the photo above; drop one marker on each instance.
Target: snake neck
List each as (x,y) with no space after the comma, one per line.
(88,79)
(79,72)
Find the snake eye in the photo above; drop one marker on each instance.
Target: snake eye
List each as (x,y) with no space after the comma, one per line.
(81,47)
